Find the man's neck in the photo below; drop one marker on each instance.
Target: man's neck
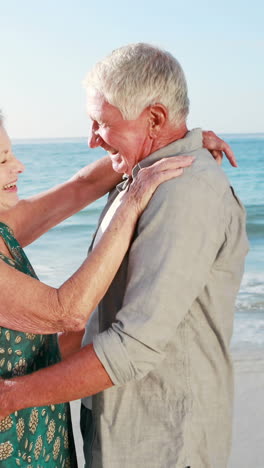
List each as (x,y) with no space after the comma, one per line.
(168,136)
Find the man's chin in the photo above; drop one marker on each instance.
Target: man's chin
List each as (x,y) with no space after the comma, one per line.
(120,168)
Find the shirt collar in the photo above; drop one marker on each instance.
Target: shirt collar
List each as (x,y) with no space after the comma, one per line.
(126,180)
(192,141)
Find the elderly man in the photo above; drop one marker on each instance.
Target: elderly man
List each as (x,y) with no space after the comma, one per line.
(156,350)
(166,321)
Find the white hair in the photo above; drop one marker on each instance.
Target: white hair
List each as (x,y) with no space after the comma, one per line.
(136,76)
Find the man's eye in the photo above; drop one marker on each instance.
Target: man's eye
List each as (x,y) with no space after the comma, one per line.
(3,161)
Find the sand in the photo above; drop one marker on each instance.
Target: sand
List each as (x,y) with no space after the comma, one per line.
(75,412)
(248,429)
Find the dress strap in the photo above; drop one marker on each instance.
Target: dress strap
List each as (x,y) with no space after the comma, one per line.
(6,233)
(19,257)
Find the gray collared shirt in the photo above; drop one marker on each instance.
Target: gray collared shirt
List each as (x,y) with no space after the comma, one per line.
(166,322)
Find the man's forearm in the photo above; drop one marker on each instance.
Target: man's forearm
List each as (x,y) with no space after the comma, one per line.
(80,375)
(70,342)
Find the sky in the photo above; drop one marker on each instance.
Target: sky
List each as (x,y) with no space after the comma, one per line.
(47,47)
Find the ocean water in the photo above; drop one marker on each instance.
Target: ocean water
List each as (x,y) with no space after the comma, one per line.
(59,252)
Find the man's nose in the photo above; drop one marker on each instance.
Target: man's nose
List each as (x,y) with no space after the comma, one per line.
(94,139)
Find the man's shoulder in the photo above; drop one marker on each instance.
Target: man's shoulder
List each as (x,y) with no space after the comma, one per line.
(206,172)
(203,176)
(199,194)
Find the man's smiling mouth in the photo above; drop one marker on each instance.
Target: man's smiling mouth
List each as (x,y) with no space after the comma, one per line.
(111,151)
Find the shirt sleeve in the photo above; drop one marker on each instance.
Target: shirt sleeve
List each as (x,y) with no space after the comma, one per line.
(179,236)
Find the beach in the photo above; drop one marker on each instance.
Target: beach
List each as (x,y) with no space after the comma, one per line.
(58,254)
(248,428)
(75,412)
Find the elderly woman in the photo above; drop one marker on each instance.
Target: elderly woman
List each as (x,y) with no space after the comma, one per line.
(31,312)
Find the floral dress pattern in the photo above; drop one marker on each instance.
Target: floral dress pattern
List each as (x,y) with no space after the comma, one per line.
(34,437)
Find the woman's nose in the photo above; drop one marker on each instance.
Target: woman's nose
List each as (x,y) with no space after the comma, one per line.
(17,166)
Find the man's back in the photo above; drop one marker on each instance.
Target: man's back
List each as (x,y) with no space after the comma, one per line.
(168,346)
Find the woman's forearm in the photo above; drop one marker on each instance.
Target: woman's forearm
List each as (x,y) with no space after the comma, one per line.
(32,217)
(76,298)
(31,306)
(35,307)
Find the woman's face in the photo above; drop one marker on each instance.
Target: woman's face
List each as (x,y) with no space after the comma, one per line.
(10,167)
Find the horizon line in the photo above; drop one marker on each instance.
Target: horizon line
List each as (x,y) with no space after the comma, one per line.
(85,137)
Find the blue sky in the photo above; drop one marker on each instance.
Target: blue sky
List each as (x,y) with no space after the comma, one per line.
(47,48)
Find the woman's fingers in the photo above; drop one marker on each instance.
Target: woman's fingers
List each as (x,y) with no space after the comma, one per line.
(230,155)
(215,144)
(173,162)
(165,169)
(149,178)
(218,156)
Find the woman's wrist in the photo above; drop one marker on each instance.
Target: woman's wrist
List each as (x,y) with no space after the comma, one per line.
(130,207)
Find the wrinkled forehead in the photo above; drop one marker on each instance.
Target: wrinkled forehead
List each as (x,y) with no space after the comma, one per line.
(99,109)
(95,101)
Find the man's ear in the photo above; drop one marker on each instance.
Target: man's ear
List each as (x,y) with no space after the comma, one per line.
(158,116)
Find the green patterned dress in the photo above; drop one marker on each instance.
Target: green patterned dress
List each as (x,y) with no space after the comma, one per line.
(33,437)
